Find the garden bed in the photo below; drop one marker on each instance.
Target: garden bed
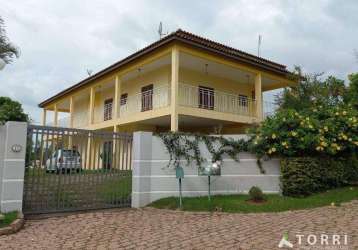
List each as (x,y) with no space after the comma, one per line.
(274,202)
(12,223)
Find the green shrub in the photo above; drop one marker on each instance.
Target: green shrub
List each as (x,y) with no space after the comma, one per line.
(321,131)
(256,194)
(302,176)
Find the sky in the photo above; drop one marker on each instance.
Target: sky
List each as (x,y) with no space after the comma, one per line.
(60,40)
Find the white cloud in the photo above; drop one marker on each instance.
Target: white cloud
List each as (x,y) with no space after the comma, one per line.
(59,40)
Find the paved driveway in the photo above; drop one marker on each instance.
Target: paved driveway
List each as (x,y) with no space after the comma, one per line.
(152,229)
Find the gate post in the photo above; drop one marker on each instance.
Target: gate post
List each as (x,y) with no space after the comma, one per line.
(142,160)
(12,165)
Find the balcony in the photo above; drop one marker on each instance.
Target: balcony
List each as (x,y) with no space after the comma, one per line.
(159,97)
(156,98)
(210,99)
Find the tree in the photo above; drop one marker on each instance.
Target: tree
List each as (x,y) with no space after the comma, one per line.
(11,111)
(7,50)
(352,91)
(312,90)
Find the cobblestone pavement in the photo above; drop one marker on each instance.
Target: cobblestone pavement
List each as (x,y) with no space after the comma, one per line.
(150,228)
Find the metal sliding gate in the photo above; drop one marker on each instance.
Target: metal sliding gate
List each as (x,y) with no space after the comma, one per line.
(73,169)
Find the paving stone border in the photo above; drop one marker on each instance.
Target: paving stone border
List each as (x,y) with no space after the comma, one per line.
(15,226)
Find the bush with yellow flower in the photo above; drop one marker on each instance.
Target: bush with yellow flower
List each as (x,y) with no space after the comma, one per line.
(319,131)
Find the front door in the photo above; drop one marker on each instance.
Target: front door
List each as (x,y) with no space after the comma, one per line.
(147,97)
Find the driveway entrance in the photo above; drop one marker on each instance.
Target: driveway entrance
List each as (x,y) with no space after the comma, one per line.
(72,169)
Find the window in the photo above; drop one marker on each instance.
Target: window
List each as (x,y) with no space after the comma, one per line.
(108,109)
(206,97)
(243,100)
(147,97)
(124,99)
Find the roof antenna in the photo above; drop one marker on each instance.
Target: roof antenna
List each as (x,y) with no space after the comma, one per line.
(160,31)
(89,72)
(259,46)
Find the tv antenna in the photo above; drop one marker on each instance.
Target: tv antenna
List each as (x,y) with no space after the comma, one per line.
(259,46)
(89,72)
(160,31)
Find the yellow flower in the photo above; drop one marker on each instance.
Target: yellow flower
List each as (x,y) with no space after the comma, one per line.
(325,128)
(349,139)
(337,113)
(270,152)
(302,123)
(310,126)
(293,133)
(307,118)
(284,143)
(273,136)
(338,148)
(344,112)
(273,149)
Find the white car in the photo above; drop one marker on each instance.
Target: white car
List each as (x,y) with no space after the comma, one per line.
(64,160)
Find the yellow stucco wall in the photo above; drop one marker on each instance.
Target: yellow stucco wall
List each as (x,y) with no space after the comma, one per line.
(196,78)
(105,89)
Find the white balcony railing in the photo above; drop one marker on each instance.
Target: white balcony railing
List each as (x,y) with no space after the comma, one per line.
(205,98)
(159,97)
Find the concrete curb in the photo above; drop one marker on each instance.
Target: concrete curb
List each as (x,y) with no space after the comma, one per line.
(15,226)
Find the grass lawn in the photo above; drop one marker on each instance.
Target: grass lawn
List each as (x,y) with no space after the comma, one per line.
(113,191)
(274,202)
(9,217)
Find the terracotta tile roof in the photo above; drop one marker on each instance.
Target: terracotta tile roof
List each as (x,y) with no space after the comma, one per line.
(189,39)
(226,49)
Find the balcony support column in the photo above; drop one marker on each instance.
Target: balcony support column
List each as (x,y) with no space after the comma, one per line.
(174,117)
(91,106)
(71,111)
(70,139)
(44,116)
(258,96)
(55,117)
(117,96)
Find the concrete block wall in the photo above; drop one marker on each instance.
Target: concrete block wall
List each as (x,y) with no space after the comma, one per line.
(12,164)
(152,179)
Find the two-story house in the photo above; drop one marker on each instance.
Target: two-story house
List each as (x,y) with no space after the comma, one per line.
(181,82)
